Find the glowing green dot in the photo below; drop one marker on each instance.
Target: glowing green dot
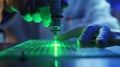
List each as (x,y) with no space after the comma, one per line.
(27,17)
(56,45)
(36,17)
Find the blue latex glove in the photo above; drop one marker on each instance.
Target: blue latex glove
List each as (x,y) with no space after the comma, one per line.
(93,36)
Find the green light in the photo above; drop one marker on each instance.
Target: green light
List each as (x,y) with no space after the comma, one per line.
(36,17)
(27,17)
(14,9)
(51,48)
(55,51)
(46,20)
(45,15)
(78,44)
(56,63)
(56,45)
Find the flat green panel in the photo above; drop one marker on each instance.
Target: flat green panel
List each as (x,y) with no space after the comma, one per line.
(39,48)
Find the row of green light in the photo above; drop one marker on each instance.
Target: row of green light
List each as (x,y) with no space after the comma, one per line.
(59,47)
(56,63)
(57,50)
(56,45)
(42,15)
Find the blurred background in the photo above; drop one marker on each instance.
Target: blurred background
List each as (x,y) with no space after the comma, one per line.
(14,27)
(115,8)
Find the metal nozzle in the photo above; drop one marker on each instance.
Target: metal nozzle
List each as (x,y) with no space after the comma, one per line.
(55,30)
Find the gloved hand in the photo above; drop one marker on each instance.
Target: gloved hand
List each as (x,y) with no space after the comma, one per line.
(93,36)
(32,10)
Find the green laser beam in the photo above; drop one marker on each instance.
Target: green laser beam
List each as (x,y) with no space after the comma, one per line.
(56,45)
(56,63)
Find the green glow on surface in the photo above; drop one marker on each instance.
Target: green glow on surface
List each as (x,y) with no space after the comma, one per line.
(27,18)
(56,45)
(55,51)
(51,48)
(36,17)
(56,63)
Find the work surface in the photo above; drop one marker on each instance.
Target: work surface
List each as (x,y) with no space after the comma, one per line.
(43,53)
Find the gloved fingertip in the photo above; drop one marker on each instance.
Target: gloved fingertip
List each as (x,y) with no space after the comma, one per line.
(101,43)
(46,23)
(117,37)
(36,21)
(36,17)
(83,41)
(27,18)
